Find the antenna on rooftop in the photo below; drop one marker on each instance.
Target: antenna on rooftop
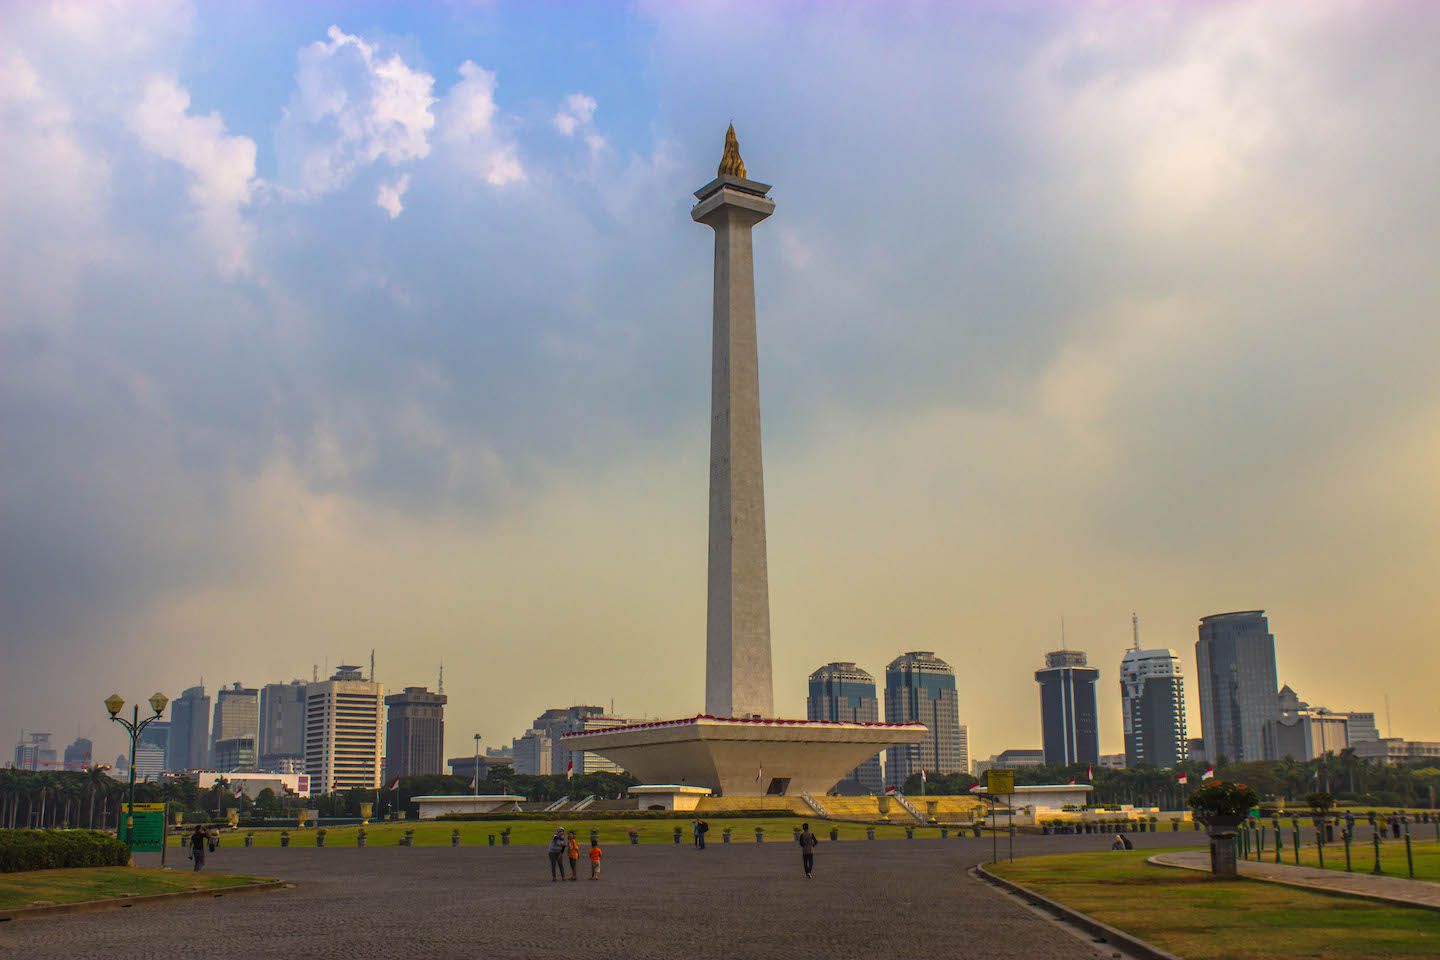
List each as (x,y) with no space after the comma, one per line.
(1389,730)
(1135,628)
(1062,631)
(372,664)
(442,676)
(314,673)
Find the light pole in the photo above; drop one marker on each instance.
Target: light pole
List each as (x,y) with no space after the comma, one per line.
(476,781)
(133,726)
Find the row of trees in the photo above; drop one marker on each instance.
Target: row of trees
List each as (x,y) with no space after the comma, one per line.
(1345,776)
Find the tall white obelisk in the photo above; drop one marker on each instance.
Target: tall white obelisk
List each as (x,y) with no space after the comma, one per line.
(737,638)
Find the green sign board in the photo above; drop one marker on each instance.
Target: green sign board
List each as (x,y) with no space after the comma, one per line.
(999,782)
(149,826)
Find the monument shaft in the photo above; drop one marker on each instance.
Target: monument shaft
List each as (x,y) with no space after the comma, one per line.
(737,665)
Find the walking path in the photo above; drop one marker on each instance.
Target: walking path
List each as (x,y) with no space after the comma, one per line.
(1415,893)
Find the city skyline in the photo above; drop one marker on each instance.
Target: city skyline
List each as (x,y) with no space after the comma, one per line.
(273,395)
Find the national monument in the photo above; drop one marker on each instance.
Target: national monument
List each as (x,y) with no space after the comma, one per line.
(737,746)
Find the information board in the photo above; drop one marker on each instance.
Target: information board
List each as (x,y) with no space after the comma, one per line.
(999,783)
(149,826)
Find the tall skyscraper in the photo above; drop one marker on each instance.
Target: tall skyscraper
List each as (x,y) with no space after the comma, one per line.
(1069,715)
(1152,700)
(415,733)
(556,722)
(282,725)
(842,692)
(34,752)
(78,756)
(1239,710)
(151,750)
(344,731)
(237,715)
(920,688)
(189,731)
(534,753)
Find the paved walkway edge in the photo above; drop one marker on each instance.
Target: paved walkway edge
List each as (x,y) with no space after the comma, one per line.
(1116,937)
(1160,860)
(115,903)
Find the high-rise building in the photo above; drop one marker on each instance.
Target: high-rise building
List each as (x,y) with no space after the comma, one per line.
(237,715)
(415,733)
(920,688)
(78,755)
(344,731)
(151,749)
(1069,715)
(282,725)
(1363,728)
(1235,661)
(842,692)
(235,755)
(189,731)
(534,753)
(34,752)
(558,721)
(1152,700)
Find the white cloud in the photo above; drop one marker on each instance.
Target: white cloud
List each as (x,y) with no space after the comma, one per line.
(388,197)
(468,124)
(578,111)
(352,107)
(221,167)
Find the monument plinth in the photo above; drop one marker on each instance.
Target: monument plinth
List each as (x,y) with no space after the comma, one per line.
(736,747)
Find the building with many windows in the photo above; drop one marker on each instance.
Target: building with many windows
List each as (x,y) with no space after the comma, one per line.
(1069,714)
(282,725)
(151,749)
(534,753)
(235,755)
(414,733)
(1235,665)
(237,716)
(34,752)
(841,692)
(1362,727)
(78,756)
(920,688)
(1152,700)
(189,747)
(1305,733)
(344,731)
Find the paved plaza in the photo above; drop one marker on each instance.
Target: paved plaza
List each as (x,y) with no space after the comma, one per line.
(868,899)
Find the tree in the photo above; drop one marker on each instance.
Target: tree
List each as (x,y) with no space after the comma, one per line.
(1320,802)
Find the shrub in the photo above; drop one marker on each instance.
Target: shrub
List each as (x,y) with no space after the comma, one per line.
(1223,799)
(50,849)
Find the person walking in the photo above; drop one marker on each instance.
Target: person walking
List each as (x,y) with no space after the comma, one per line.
(807,849)
(557,855)
(594,860)
(572,851)
(704,829)
(198,840)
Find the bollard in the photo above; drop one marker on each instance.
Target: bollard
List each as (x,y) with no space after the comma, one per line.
(360,839)
(1375,839)
(284,838)
(455,838)
(909,833)
(1345,835)
(725,835)
(677,834)
(1260,852)
(1295,835)
(869,833)
(492,839)
(249,839)
(835,834)
(1320,843)
(1279,840)
(1409,854)
(759,834)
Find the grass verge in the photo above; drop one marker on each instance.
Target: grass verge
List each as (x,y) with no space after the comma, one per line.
(1198,918)
(1362,856)
(36,888)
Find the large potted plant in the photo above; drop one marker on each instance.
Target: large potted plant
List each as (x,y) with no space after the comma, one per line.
(1222,806)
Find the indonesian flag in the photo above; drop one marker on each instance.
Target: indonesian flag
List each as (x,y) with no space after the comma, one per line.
(1072,779)
(922,774)
(889,790)
(1183,779)
(238,791)
(1209,774)
(759,774)
(980,785)
(1089,772)
(475,782)
(394,784)
(569,768)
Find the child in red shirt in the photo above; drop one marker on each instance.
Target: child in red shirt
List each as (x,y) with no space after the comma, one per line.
(594,861)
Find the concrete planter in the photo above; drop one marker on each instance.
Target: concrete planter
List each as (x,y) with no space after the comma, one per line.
(320,838)
(1223,830)
(360,839)
(725,835)
(909,833)
(454,838)
(759,834)
(869,833)
(249,839)
(284,839)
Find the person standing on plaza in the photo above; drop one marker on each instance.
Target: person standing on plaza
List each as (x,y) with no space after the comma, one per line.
(197,846)
(557,855)
(807,849)
(572,851)
(594,860)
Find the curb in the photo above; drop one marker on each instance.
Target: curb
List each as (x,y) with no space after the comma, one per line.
(1312,887)
(1103,931)
(115,903)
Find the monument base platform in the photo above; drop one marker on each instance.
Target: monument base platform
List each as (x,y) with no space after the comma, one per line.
(737,758)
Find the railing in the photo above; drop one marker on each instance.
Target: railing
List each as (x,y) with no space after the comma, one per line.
(910,808)
(584,803)
(814,804)
(557,805)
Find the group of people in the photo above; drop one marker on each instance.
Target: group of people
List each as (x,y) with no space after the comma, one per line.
(565,846)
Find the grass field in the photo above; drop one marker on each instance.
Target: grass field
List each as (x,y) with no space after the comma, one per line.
(44,887)
(1199,918)
(431,833)
(1362,856)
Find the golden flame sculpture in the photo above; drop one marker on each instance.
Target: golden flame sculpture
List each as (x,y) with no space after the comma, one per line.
(730,162)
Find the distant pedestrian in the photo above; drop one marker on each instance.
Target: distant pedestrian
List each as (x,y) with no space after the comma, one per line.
(572,851)
(197,846)
(701,828)
(557,855)
(1118,843)
(1395,826)
(594,859)
(807,849)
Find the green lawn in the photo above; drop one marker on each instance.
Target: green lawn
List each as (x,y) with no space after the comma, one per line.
(1362,855)
(42,887)
(432,833)
(1199,918)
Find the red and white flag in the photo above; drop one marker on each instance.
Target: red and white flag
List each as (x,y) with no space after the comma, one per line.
(1183,779)
(1089,772)
(759,774)
(569,768)
(1209,774)
(922,774)
(475,782)
(394,784)
(1072,779)
(979,785)
(238,791)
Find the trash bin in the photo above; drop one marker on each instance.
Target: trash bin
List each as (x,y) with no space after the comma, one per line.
(834,834)
(869,833)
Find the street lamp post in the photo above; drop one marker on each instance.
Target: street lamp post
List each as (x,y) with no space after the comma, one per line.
(114,703)
(476,772)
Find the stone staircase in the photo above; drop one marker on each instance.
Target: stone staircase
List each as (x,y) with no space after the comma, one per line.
(815,805)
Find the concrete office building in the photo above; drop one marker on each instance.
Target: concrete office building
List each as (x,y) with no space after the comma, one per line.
(1394,750)
(414,733)
(842,692)
(1305,733)
(920,688)
(1235,663)
(1152,702)
(237,715)
(189,747)
(1011,760)
(282,725)
(151,749)
(34,752)
(1069,714)
(534,753)
(236,755)
(1362,727)
(344,731)
(78,755)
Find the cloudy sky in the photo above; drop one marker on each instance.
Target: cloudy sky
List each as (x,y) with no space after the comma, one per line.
(330,327)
